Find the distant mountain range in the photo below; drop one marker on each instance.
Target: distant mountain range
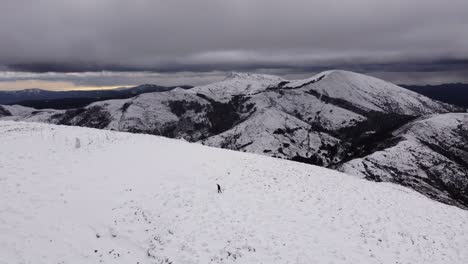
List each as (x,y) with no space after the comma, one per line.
(41,99)
(452,93)
(337,119)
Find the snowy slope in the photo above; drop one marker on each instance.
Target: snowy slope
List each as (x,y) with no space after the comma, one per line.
(429,155)
(327,120)
(4,112)
(237,84)
(22,113)
(371,93)
(281,135)
(331,100)
(152,113)
(126,198)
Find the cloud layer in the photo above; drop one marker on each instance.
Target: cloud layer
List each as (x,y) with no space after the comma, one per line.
(205,35)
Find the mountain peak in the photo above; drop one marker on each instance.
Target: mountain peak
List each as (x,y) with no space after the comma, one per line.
(369,93)
(251,76)
(237,83)
(325,120)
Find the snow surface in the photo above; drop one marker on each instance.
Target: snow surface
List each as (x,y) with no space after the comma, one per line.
(126,198)
(309,107)
(434,145)
(372,93)
(18,110)
(237,84)
(407,154)
(248,137)
(146,112)
(22,113)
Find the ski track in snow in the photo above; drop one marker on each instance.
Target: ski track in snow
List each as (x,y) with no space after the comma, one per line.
(124,198)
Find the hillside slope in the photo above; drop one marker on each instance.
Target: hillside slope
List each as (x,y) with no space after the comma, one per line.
(327,120)
(371,93)
(41,99)
(79,195)
(429,155)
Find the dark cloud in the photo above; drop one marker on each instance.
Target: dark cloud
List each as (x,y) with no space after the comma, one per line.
(162,35)
(201,40)
(279,68)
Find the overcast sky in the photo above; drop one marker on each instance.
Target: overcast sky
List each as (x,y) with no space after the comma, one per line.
(92,43)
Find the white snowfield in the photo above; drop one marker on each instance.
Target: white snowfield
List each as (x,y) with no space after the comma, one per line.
(79,195)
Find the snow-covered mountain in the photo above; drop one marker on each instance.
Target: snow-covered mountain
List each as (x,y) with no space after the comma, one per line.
(429,155)
(369,93)
(329,119)
(80,195)
(63,99)
(238,84)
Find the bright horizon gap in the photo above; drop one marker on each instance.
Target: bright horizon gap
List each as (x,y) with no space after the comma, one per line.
(54,86)
(53,81)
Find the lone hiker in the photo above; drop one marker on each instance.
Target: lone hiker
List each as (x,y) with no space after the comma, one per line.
(219,189)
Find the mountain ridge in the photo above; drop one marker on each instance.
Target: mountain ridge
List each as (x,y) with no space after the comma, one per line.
(39,98)
(329,119)
(452,93)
